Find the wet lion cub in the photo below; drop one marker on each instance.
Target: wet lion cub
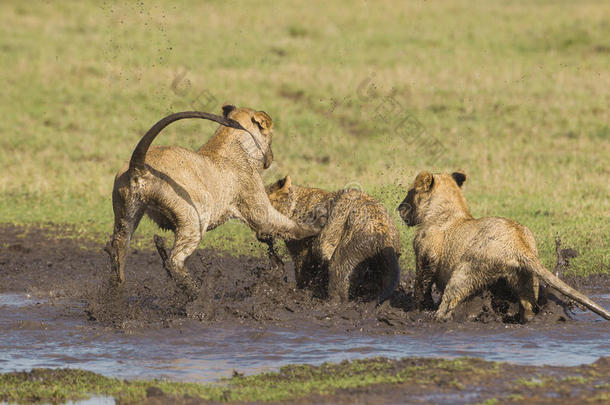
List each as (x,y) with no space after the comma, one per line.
(358,247)
(191,192)
(462,254)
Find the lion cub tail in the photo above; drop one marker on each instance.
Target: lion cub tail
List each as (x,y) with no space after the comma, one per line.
(391,275)
(139,154)
(532,263)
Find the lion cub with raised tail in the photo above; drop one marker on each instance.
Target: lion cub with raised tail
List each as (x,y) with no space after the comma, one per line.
(358,247)
(462,254)
(191,192)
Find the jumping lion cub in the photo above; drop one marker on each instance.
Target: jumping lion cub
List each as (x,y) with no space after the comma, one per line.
(462,254)
(358,246)
(190,192)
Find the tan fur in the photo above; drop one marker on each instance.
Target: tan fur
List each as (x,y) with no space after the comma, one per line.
(359,242)
(192,192)
(461,254)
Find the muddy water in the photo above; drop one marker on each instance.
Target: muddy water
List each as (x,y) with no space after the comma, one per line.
(47,333)
(56,312)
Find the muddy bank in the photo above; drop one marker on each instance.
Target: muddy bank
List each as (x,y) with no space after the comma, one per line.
(242,290)
(233,289)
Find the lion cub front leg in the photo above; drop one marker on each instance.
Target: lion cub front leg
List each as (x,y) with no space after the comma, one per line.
(424,277)
(276,260)
(267,222)
(460,286)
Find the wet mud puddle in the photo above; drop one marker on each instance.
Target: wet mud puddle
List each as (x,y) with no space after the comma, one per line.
(45,333)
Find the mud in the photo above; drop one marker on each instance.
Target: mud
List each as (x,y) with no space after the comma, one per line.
(239,289)
(248,316)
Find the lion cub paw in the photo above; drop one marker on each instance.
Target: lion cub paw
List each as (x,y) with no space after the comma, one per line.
(317,218)
(442,317)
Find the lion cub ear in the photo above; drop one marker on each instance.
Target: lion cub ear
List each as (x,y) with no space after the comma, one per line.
(226,110)
(285,184)
(262,120)
(459,177)
(424,182)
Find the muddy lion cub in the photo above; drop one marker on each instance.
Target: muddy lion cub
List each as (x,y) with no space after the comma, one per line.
(462,254)
(191,192)
(358,246)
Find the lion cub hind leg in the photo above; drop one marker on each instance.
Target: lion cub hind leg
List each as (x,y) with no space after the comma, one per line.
(160,245)
(341,265)
(527,289)
(351,255)
(187,237)
(524,286)
(126,221)
(338,279)
(390,274)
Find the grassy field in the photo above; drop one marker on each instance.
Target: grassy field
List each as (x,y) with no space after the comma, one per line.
(516,93)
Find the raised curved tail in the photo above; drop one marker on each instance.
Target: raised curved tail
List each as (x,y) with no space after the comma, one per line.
(391,275)
(139,153)
(533,264)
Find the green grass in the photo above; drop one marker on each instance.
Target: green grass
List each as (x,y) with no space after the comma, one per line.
(492,382)
(517,94)
(532,382)
(291,382)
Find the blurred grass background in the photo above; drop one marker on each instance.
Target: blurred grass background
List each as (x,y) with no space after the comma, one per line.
(517,93)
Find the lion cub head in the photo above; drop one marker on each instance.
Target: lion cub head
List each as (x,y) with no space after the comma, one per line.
(302,204)
(260,125)
(282,196)
(433,195)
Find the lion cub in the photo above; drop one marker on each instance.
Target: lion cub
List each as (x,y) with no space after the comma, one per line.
(462,254)
(191,192)
(358,247)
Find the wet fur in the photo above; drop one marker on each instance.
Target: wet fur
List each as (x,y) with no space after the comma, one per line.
(355,254)
(190,192)
(462,255)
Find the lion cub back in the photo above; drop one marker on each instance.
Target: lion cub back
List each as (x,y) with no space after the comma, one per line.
(357,231)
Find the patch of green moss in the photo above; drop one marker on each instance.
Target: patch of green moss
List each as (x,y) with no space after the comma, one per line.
(531,382)
(290,382)
(298,381)
(490,401)
(575,379)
